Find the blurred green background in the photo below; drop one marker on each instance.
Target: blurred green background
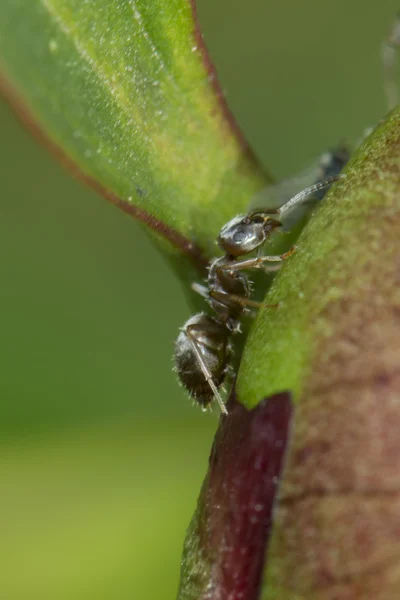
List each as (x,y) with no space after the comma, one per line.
(102,455)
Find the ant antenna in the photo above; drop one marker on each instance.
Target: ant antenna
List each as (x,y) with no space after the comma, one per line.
(307,193)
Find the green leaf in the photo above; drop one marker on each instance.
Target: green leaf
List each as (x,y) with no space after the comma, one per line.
(125,94)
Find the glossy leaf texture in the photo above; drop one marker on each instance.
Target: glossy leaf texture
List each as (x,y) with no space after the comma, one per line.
(123,92)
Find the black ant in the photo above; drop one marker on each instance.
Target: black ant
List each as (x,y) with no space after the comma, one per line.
(203,348)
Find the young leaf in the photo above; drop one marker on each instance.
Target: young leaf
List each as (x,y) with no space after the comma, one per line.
(125,94)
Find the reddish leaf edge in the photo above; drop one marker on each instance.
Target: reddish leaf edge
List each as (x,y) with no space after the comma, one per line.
(216,85)
(193,252)
(227,543)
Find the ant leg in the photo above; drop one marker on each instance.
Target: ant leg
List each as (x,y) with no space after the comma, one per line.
(200,289)
(270,268)
(205,369)
(240,300)
(255,263)
(390,48)
(218,295)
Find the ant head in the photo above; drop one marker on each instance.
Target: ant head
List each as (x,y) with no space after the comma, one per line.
(245,233)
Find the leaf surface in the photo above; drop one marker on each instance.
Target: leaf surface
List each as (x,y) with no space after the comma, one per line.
(124,92)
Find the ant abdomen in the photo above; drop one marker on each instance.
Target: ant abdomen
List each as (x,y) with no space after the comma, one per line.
(202,353)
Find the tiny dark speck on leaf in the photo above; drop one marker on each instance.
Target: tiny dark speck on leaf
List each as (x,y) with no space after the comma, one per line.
(141,192)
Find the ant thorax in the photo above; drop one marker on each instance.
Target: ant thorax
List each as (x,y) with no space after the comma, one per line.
(226,290)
